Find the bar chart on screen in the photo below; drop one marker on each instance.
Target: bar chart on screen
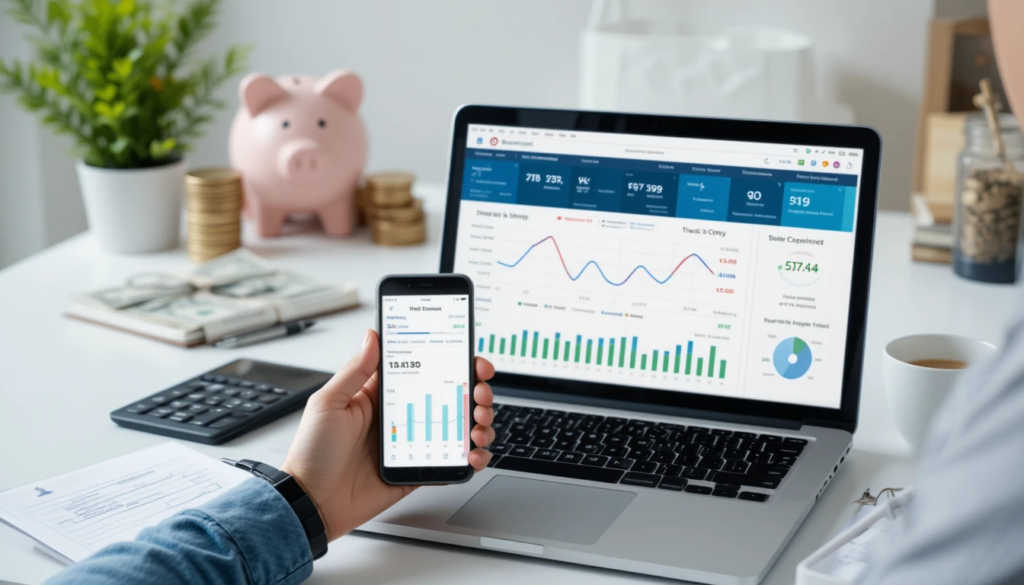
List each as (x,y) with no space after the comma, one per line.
(439,419)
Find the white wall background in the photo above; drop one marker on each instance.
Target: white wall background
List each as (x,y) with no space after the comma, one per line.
(421,60)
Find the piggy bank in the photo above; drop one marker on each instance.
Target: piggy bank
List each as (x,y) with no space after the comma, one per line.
(301,147)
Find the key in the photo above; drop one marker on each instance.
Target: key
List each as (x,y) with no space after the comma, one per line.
(595,460)
(761,481)
(570,470)
(546,454)
(616,451)
(694,473)
(519,439)
(590,448)
(179,404)
(225,422)
(671,470)
(162,412)
(543,443)
(753,496)
(565,445)
(522,451)
(641,454)
(249,406)
(140,408)
(645,466)
(675,484)
(215,387)
(180,416)
(697,489)
(663,457)
(620,463)
(570,457)
(214,400)
(641,479)
(159,399)
(724,493)
(249,395)
(197,409)
(499,448)
(268,399)
(209,416)
(793,441)
(735,466)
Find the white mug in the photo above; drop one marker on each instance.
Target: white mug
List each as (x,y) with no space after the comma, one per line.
(916,392)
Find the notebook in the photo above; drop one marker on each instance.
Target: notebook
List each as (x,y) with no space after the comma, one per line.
(231,294)
(72,516)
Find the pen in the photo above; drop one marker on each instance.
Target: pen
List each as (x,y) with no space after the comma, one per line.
(282,330)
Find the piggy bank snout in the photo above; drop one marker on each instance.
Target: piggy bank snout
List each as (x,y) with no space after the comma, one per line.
(303,161)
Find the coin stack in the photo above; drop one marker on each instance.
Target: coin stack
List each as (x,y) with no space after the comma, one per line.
(213,204)
(394,215)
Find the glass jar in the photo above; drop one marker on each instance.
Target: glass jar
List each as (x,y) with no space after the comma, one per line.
(988,202)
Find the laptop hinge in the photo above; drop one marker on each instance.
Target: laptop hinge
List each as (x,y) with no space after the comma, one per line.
(780,423)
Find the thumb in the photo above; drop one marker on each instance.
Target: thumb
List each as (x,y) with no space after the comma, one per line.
(340,389)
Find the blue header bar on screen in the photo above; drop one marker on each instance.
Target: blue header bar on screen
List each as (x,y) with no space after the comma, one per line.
(803,199)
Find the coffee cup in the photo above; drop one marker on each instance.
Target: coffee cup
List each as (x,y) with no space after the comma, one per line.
(920,371)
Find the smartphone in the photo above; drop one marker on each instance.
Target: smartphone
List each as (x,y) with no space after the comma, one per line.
(426,378)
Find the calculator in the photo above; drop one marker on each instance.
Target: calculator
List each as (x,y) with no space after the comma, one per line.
(222,404)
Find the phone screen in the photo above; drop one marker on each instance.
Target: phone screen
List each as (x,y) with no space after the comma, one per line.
(426,375)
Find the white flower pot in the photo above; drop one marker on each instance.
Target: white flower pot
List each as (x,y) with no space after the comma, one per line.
(133,210)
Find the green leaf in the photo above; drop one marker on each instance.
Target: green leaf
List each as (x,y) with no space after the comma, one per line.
(126,8)
(122,68)
(119,145)
(107,94)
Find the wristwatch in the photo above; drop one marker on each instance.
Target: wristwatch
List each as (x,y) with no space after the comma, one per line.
(299,501)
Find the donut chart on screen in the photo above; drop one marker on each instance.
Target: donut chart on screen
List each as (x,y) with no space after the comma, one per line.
(792,358)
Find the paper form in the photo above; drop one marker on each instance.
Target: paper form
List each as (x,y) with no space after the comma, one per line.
(77,514)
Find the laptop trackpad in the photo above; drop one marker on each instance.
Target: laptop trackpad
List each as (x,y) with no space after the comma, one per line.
(543,509)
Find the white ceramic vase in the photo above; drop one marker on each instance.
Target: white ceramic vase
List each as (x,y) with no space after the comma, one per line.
(133,210)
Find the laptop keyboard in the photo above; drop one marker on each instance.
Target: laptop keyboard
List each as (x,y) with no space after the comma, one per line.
(697,460)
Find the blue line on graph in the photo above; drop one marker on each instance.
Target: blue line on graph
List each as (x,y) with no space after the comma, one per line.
(598,266)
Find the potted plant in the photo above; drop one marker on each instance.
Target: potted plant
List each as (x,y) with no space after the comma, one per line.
(116,76)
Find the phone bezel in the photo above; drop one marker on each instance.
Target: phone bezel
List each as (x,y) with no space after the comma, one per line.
(424,284)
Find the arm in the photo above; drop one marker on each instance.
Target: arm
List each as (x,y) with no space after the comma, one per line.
(247,535)
(250,534)
(967,522)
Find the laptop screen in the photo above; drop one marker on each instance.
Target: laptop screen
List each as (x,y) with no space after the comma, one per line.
(706,266)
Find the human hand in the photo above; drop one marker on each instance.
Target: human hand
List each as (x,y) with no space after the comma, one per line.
(335,453)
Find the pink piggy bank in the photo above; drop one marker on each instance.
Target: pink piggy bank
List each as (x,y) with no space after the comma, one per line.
(300,147)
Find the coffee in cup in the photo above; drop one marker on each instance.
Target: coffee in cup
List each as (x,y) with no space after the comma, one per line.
(920,371)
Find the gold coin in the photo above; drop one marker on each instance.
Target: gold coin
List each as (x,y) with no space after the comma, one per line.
(390,181)
(390,198)
(195,242)
(213,190)
(213,233)
(213,176)
(214,222)
(409,214)
(404,241)
(198,208)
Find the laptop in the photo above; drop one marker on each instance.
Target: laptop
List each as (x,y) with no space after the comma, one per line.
(676,311)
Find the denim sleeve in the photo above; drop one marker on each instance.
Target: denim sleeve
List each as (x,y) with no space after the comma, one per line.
(248,535)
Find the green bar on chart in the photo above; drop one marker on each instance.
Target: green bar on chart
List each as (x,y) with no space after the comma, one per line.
(579,343)
(689,356)
(554,354)
(622,352)
(523,350)
(544,352)
(600,350)
(643,362)
(536,336)
(664,363)
(632,355)
(590,345)
(679,351)
(611,351)
(512,349)
(565,357)
(501,346)
(654,360)
(711,363)
(490,344)
(721,369)
(700,365)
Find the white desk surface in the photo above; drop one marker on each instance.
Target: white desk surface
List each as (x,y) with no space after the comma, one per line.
(62,378)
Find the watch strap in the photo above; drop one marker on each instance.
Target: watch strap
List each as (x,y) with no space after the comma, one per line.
(297,498)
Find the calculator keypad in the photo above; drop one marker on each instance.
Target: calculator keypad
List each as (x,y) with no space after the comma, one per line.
(207,401)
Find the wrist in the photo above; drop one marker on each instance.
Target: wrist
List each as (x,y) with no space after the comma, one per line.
(314,497)
(295,496)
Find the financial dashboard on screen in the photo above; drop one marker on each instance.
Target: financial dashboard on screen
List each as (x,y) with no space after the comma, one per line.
(715,267)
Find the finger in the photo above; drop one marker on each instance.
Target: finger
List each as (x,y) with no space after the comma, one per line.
(483,415)
(479,459)
(340,389)
(484,369)
(483,395)
(482,436)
